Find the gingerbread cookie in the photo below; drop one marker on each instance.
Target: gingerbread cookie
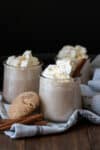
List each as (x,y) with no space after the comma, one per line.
(23,105)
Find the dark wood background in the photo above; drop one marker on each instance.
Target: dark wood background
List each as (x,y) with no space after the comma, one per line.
(45,26)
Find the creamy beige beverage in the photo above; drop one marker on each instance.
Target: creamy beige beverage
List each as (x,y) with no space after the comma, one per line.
(59,93)
(21,74)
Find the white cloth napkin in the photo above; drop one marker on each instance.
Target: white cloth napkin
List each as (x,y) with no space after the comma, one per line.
(20,130)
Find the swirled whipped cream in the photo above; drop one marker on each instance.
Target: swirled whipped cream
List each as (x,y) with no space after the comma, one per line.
(58,71)
(64,66)
(73,52)
(67,64)
(26,60)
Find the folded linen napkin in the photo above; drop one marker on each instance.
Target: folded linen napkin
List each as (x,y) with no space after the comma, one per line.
(20,130)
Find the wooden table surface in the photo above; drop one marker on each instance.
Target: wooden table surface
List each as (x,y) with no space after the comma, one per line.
(83,136)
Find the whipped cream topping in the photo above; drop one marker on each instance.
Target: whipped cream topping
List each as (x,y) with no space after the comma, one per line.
(67,64)
(26,60)
(64,65)
(57,72)
(73,52)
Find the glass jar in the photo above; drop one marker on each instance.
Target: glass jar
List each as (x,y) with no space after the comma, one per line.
(59,98)
(20,79)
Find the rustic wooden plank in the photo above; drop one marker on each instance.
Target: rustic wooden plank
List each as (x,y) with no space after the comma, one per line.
(80,137)
(74,139)
(8,144)
(94,136)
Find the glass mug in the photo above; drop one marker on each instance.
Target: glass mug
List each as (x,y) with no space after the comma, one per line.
(59,99)
(18,80)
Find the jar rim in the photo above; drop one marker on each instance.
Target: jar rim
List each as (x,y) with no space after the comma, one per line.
(74,79)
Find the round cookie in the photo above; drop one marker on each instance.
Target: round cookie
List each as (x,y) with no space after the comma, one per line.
(23,105)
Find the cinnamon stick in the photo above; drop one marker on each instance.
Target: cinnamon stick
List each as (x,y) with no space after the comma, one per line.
(76,73)
(41,123)
(3,121)
(25,120)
